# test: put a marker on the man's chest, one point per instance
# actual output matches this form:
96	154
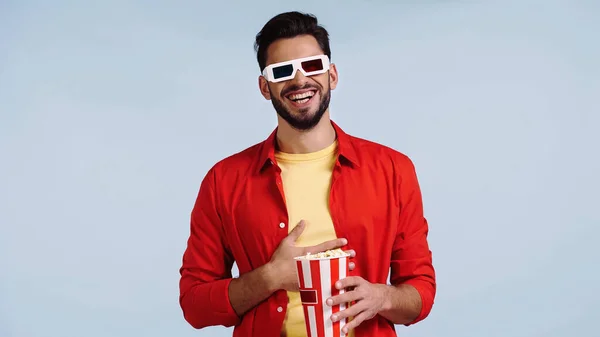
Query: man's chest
362	208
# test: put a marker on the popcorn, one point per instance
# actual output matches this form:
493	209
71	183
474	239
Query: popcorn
325	255
317	273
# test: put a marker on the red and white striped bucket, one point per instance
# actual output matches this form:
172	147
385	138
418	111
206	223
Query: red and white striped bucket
317	279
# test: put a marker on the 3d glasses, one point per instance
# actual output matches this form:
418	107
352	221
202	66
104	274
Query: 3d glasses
309	66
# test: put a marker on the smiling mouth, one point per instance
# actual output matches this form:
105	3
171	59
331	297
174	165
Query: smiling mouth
302	98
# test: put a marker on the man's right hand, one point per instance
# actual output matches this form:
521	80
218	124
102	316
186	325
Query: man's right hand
282	262
246	291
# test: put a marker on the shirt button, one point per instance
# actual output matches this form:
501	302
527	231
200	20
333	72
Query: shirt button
282	225
279	309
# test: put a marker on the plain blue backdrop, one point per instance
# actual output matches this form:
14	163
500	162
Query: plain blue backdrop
113	111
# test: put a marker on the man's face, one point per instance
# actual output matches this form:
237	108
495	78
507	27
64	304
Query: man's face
301	101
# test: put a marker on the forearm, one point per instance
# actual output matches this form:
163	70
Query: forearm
402	304
250	289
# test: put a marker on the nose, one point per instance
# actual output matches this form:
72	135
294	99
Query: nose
299	79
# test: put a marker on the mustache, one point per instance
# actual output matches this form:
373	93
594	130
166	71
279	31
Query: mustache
296	87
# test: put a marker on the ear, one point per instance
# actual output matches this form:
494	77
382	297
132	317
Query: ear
333	76
263	86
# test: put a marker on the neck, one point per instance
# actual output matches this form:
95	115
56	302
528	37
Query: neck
290	140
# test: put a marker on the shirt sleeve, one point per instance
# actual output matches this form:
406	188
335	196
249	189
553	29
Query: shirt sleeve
206	266
411	261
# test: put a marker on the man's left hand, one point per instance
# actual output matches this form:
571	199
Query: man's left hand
370	300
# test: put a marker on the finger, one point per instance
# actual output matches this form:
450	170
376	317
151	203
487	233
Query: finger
345	297
351	281
328	245
354	323
352	311
351	266
296	231
352	252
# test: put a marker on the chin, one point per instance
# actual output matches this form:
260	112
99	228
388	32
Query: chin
306	112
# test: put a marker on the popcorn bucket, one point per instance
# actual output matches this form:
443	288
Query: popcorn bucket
317	276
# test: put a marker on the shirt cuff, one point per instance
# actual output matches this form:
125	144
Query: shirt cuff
220	303
426	291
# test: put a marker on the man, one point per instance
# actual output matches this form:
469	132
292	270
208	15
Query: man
308	187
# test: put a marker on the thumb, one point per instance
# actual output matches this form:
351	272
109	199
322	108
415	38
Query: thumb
297	231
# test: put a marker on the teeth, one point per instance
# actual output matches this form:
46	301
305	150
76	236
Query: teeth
307	94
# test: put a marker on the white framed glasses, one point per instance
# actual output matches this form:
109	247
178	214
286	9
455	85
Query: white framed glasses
309	66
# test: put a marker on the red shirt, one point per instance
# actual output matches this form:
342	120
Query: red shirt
240	215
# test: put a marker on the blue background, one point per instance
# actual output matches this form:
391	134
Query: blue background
111	112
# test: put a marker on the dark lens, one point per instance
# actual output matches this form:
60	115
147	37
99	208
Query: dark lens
312	65
283	71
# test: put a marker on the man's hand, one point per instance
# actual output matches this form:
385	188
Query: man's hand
282	262
370	300
246	291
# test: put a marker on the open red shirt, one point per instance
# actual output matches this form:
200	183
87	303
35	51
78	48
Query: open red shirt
240	215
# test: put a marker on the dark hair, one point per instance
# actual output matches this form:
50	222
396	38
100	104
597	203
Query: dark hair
288	25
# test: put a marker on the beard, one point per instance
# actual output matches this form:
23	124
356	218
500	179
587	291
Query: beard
302	119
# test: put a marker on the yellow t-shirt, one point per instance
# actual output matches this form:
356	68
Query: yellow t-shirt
306	181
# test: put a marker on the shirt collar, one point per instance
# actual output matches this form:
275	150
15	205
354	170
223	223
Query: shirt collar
346	150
